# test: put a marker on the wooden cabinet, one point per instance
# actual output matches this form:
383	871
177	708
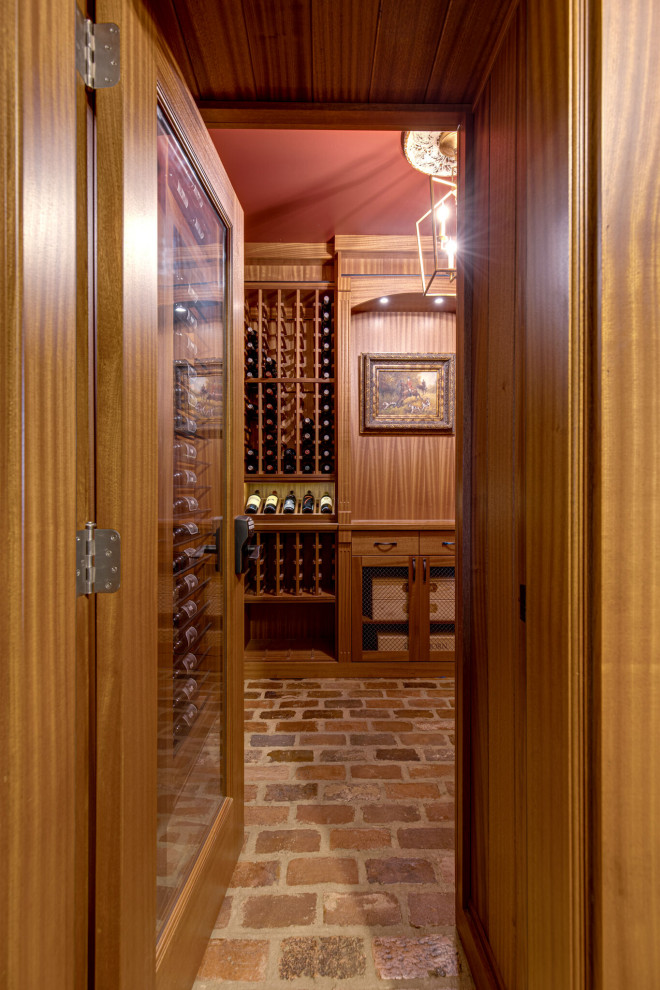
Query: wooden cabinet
403	606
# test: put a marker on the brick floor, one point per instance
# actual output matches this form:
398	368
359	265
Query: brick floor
346	879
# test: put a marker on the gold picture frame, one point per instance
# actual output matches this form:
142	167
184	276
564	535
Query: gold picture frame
404	393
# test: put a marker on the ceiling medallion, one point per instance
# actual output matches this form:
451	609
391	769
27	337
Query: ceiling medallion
431	152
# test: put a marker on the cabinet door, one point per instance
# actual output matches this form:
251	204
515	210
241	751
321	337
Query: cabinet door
384	608
438	608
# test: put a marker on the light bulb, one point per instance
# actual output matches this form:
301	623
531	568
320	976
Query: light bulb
384	300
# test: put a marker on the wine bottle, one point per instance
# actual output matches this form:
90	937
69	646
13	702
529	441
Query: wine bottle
327	468
186	611
185	503
269	368
184	424
326	503
185	664
185	721
183	531
185	450
184	346
184	586
253	503
289	503
289	460
183	314
271	503
184	477
184	691
308	502
184	640
308	467
251	333
185	558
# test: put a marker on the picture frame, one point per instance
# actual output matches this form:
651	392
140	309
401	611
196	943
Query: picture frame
407	393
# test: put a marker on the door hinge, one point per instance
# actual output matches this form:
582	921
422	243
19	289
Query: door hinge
97	52
98	560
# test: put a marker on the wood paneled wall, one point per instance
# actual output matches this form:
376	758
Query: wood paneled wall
399	477
627	501
492	897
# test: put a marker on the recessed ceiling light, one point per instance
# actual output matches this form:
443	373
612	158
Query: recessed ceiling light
439	299
384	299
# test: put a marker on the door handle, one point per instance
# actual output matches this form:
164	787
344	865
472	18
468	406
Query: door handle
424	569
214	547
414	567
448	543
388	545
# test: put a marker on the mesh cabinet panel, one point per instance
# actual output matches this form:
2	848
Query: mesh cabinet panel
385	601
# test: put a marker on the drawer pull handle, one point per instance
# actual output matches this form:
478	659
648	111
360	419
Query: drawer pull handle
388	545
448	543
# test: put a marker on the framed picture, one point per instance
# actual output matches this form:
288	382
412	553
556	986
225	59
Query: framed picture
402	393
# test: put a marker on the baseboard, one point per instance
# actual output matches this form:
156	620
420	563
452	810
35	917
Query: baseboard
304	668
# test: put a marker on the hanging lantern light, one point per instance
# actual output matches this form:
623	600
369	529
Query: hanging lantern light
434	153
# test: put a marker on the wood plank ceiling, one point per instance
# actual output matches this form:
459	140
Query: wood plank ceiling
334	51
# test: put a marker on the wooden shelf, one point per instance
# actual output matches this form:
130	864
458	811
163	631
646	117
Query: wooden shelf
303	597
293	522
290	381
294	650
283	479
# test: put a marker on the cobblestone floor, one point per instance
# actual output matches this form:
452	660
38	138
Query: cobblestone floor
346	879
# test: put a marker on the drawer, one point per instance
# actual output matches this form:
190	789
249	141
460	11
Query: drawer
435	543
385	543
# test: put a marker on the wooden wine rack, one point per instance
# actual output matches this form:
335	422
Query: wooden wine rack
290	391
295	565
287	340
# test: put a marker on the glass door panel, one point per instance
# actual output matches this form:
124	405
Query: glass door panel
385	608
192	239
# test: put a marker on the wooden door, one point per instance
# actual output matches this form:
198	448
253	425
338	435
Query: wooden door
156	900
37	494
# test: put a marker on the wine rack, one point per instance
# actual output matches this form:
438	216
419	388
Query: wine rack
290	461
289	383
295	565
